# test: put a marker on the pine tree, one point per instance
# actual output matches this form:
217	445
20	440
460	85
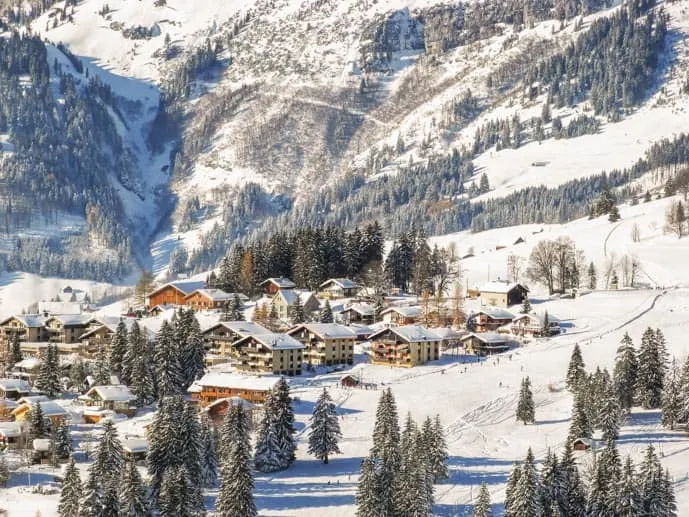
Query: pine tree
135	344
174	499
511	491
668	496
526	306
275	444
48	380
13	353
602	486
110	506
236	313
77	373
592	276
576	372
118	349
133	496
628	498
63	437
527	500
38	428
614	214
101	370
326	314
71	492
226	315
651	371
581	426
434	437
525	406
190	436
625	373
109	457
572	499
235	498
368	503
297	311
610	416
165	448
91	503
235	429
386	450
483	508
671	403
168	370
142	380
651	485
325	428
551	484
209	454
193	351
684	390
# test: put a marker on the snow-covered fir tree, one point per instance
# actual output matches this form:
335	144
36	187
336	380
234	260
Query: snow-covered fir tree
13	352
684	390
109	457
165	447
169	378
651	370
434	437
101	369
48	379
624	374
610	416
572	500
192	456
580	426
483	507
628	497
192	349
234	429
236	313
325	431
526	498
297	311
526	411
142	381
386	451
135	344
63	440
77	373
70	495
526	306
368	503
174	499
275	443
91	503
652	491
37	424
672	399
235	498
132	493
576	372
118	349
669	499
326	313
209	453
602	498
511	491
110	503
551	484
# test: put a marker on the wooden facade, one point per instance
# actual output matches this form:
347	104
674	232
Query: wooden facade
278	354
404	346
325	343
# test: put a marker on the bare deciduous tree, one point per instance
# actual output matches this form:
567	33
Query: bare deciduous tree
515	264
636	232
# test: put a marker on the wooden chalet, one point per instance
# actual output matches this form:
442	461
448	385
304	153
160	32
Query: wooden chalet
489	319
66	328
325	343
52	411
485	343
406	346
338	288
223	385
174	293
26	327
135	449
13	435
207	299
401	315
362	313
279	354
272	285
503	294
117	398
534	325
217	410
26	369
219	338
14	389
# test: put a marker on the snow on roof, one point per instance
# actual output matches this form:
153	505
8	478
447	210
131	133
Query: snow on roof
12	429
500	287
28	320
407	312
217	295
185	286
29	363
238	381
361	308
290	296
276	341
539	318
32	399
411	333
281	282
49	408
119	393
41	444
59	307
326	330
134	445
232	401
496	313
70	320
487	337
15	385
446	332
344	283
243	328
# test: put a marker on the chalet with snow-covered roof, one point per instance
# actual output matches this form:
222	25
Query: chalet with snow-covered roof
29	327
174	293
272	285
223	385
338	288
39	349
66	328
13	435
47	308
14	389
284	301
485	343
406	346
362	313
534	325
27	369
401	315
117	398
503	294
102	329
219	337
135	449
53	412
489	319
325	343
278	354
207	299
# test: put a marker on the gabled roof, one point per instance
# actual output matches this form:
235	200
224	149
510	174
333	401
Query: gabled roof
183	286
501	287
15	385
216	295
489	338
70	320
28	320
280	282
407	312
59	307
290	296
274	341
118	393
28	363
360	308
134	445
238	381
538	318
49	408
326	330
344	283
13	429
242	328
230	401
410	333
496	313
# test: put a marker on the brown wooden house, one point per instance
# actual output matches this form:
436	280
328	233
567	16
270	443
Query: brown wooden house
406	346
174	293
272	285
222	385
